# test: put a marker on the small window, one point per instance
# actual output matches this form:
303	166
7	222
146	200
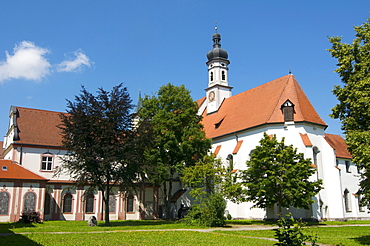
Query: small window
90	203
130	204
47	203
29	202
46	163
4	203
348	166
211	76
288	111
112	203
347	203
4	168
67	203
223	75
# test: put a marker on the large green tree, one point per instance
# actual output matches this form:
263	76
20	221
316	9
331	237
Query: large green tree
277	174
353	108
178	139
98	137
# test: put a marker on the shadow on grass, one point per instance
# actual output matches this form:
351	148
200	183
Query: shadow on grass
364	240
7	237
137	223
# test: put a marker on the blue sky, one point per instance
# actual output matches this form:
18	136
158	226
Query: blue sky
48	49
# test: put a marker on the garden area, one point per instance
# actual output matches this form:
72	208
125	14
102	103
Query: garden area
172	233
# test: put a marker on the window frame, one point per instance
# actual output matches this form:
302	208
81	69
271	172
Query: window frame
70	205
89	203
130	204
48	163
6	203
30	203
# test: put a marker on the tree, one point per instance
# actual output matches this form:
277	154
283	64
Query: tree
277	174
210	183
98	138
353	108
178	139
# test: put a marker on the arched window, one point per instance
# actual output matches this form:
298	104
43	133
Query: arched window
315	151
112	203
89	202
211	76
347	201
223	75
4	203
230	159
29	202
130	204
67	203
47	203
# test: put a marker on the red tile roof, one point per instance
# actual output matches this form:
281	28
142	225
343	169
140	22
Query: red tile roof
11	170
260	105
306	140
237	147
38	127
340	146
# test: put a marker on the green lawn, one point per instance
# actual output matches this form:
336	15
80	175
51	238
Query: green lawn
127	233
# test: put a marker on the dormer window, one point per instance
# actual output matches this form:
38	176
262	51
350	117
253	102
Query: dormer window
288	111
4	168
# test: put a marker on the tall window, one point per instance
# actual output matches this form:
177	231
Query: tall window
211	76
347	203
112	203
4	203
47	203
348	165
89	203
67	203
130	203
29	202
315	151
223	75
46	163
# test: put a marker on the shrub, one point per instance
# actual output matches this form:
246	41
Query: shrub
290	233
209	212
30	217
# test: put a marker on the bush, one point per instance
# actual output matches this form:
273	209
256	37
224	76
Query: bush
290	233
209	212
30	217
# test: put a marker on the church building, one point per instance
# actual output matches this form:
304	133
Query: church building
31	152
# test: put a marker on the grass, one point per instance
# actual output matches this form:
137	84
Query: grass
133	233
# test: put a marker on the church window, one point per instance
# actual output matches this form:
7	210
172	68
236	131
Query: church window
211	76
67	203
348	166
130	204
347	203
316	152
112	203
230	159
46	163
89	203
47	203
4	203
29	202
223	75
288	111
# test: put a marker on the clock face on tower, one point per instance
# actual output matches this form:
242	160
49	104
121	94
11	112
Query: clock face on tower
211	96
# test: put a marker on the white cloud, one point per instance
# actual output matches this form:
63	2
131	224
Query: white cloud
28	62
76	64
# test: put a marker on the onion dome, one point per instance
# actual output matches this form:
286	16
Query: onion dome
217	52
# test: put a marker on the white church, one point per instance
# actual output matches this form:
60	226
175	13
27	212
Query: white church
32	149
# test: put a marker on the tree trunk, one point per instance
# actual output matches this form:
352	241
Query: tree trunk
106	207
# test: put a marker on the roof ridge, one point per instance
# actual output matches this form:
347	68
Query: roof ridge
281	95
41	110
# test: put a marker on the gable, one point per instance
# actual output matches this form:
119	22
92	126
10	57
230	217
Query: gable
261	105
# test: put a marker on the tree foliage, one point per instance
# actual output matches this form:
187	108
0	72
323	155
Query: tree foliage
99	140
277	174
178	139
353	108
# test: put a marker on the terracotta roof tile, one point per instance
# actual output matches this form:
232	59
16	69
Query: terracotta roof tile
340	146
38	127
217	150
11	170
260	105
306	140
237	147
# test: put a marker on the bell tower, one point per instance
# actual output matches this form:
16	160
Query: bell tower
218	81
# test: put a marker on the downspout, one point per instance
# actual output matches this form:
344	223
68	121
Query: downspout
21	156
